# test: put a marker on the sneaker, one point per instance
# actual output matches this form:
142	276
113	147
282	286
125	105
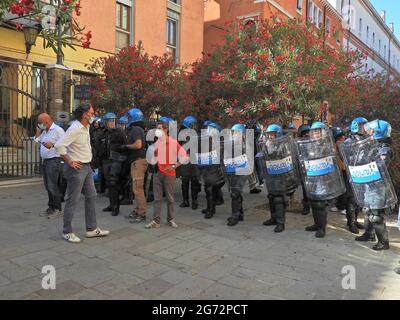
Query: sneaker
343	212
46	213
132	215
138	219
334	209
152	225
71	237
172	224
55	214
97	233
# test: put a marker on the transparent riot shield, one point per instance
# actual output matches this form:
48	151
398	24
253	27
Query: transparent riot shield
238	159
208	160
369	177
280	165
319	167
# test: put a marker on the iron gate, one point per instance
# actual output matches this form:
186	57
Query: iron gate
23	95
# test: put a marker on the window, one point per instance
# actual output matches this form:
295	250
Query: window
360	28
373	39
172	34
380	46
367	34
328	26
384	52
299	5
315	14
123	26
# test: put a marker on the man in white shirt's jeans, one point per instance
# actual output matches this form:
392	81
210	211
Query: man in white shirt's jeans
76	151
47	134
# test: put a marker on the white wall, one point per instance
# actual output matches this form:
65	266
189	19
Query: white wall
369	22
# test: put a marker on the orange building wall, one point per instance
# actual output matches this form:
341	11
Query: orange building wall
149	26
218	12
100	19
192	31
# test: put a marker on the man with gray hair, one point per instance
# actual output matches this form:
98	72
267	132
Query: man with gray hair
76	151
47	134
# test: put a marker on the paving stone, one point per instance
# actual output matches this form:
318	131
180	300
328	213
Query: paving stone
20	273
219	291
151	288
188	288
202	259
63	290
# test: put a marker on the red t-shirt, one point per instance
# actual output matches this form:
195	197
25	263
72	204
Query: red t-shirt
168	152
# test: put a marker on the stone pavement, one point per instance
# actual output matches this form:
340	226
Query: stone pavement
202	259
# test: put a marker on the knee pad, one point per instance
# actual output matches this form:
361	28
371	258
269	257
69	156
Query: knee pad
375	219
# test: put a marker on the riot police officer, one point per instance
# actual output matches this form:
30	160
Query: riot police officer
112	156
320	173
123	122
281	173
303	132
237	168
189	173
357	133
367	162
208	162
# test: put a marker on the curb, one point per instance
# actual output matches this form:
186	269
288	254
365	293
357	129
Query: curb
20	182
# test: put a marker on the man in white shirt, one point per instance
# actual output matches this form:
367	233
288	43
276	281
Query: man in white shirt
76	151
47	134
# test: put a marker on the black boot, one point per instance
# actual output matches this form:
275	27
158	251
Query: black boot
210	210
279	228
351	217
185	204
195	188
236	207
255	191
108	209
369	233
219	196
320	217
185	193
358	225
314	227
272	221
241	216
381	233
366	236
115	211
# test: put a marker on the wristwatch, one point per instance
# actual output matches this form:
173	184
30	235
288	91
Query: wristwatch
174	166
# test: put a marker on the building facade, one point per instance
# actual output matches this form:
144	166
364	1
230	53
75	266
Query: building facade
320	12
368	30
31	82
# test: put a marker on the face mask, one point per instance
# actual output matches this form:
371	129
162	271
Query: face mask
41	126
91	120
159	133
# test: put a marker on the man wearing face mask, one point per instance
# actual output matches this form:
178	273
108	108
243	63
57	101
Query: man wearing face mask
112	157
47	134
74	147
168	154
